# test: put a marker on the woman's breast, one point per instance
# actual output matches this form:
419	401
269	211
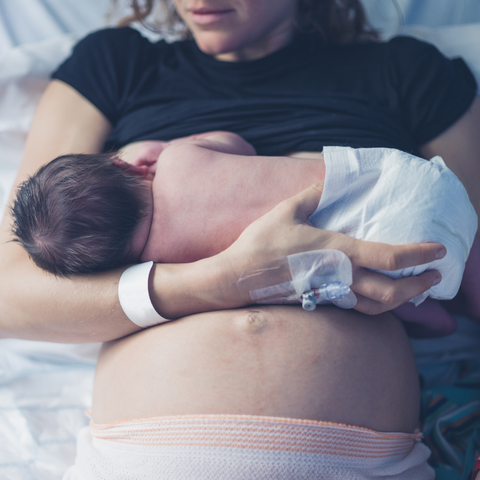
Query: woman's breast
129	152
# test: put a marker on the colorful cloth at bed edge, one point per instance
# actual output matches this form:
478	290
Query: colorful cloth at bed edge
450	421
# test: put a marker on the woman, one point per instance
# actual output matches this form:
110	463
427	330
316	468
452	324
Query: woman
231	36
244	30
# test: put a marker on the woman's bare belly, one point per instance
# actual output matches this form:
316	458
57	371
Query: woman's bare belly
328	365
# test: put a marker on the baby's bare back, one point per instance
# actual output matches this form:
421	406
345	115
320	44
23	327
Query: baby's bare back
203	199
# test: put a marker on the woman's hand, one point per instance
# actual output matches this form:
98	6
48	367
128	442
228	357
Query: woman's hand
286	230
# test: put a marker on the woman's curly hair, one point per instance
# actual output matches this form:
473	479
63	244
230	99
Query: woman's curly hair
337	21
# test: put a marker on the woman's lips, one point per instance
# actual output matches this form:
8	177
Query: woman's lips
208	16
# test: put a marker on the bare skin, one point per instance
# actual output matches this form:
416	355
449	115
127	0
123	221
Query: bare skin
219	27
327	365
203	192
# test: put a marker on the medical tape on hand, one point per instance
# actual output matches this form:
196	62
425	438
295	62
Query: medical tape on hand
134	297
312	278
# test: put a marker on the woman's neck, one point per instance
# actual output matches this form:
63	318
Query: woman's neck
277	40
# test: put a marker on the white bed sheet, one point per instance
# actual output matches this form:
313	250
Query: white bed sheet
44	388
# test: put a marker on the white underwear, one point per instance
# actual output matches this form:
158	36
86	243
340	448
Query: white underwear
242	447
389	196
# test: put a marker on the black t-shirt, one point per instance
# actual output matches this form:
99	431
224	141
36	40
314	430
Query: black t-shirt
398	94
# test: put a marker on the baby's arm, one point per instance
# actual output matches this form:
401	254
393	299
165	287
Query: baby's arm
225	142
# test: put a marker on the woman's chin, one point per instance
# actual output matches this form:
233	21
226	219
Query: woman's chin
213	46
221	46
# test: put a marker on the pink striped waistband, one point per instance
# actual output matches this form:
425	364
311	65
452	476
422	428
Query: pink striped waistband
258	433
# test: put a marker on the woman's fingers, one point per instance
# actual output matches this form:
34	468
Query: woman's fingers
306	202
377	293
374	255
286	230
380	256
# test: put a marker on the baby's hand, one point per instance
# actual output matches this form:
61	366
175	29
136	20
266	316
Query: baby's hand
429	320
432	318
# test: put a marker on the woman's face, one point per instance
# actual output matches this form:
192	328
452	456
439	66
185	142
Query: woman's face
238	30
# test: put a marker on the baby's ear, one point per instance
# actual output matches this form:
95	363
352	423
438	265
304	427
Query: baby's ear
140	170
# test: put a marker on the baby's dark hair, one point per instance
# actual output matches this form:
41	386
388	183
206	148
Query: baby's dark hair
78	214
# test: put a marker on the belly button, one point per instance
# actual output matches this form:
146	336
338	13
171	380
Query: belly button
251	321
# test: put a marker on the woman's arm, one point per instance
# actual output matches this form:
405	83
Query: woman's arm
33	303
224	142
459	146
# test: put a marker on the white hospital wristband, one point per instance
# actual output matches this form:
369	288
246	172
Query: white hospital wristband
134	297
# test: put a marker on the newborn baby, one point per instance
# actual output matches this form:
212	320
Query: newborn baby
205	190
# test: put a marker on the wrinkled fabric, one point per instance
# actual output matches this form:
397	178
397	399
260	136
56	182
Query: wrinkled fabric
389	196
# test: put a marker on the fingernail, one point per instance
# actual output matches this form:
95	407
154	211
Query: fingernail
440	254
437	280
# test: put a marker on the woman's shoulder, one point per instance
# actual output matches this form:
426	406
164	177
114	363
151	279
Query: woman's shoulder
106	65
395	49
126	47
433	90
413	54
106	49
114	39
112	33
408	49
408	42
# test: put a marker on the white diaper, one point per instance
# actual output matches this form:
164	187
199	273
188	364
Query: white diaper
389	196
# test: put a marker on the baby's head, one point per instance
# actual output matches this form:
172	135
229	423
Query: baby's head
79	214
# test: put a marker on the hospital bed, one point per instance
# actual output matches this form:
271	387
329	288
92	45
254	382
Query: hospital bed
45	388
